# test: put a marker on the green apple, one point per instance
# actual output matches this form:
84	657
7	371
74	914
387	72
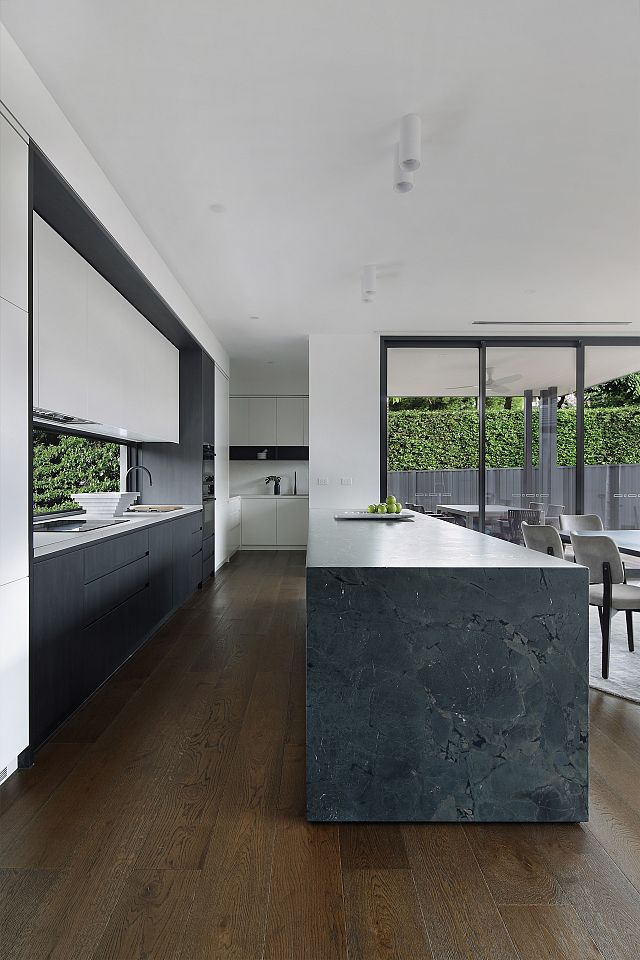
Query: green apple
390	501
372	508
398	508
382	508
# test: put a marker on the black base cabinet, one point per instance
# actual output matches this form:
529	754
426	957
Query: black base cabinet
94	606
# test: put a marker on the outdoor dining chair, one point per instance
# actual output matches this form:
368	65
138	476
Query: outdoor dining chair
511	527
544	538
579	522
608	587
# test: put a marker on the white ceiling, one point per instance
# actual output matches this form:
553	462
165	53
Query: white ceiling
453	372
526	207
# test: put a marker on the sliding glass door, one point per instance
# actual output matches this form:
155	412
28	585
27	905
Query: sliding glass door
612	435
433	430
530	436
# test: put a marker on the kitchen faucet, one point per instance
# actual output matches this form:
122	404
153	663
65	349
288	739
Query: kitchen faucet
146	469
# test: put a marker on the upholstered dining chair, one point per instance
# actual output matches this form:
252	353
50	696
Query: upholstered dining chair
580	522
542	537
608	587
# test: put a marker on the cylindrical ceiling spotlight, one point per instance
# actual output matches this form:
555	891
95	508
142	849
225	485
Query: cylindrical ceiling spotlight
402	179
410	147
369	284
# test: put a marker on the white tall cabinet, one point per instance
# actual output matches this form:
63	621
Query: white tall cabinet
14	446
222	547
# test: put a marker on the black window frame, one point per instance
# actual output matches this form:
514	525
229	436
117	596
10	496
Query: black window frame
578	344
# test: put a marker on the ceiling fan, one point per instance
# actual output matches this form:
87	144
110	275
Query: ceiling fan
493	383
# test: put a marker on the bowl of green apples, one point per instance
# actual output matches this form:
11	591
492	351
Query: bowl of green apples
389	510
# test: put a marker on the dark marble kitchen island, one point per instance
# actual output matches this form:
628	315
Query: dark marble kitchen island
447	676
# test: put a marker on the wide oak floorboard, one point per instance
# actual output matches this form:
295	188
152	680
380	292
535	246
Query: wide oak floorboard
166	820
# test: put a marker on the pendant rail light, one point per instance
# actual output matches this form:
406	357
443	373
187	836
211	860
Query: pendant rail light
369	282
410	146
402	179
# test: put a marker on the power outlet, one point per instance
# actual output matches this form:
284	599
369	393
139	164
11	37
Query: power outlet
323	481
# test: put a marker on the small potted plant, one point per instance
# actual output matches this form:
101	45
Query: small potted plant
276	484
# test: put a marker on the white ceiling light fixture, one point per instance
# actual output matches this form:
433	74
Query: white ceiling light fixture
369	282
410	145
402	179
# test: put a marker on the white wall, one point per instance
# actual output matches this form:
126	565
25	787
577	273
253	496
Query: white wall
251	378
247	476
24	94
344	419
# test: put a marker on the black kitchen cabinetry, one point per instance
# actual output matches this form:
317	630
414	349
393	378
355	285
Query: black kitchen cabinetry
94	606
178	468
208	399
272	453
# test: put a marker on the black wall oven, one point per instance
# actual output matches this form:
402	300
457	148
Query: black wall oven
208	490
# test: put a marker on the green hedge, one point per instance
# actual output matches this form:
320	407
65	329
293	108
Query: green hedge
438	440
65	465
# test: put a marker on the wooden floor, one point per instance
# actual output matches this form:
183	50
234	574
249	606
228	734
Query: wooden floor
166	821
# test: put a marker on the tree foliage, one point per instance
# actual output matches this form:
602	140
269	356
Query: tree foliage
64	465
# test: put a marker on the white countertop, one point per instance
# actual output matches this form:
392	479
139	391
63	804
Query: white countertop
47	543
425	543
269	496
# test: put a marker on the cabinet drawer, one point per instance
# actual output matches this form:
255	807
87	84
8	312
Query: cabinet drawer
207	568
108	592
196	542
102	558
109	641
196	570
207	548
195	520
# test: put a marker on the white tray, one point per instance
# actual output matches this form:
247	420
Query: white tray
365	515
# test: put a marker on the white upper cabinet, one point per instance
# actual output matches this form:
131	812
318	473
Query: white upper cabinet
269	421
14	216
113	353
161	366
262	421
59	323
239	421
290	421
95	356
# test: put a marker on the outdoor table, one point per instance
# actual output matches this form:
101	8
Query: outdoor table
627	541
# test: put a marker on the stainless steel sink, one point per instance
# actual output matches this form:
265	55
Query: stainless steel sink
72	525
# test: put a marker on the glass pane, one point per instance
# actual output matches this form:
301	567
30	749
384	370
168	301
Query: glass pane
433	430
64	465
530	437
612	436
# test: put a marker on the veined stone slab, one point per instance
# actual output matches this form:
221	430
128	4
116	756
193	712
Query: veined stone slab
446	693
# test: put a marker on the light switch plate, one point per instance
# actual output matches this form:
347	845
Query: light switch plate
346	481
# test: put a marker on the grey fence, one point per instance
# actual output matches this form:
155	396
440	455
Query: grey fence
611	491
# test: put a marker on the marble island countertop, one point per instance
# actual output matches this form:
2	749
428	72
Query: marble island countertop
49	542
427	542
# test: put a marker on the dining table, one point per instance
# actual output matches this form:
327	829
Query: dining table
471	511
627	541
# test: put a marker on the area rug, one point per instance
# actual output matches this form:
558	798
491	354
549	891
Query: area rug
624	667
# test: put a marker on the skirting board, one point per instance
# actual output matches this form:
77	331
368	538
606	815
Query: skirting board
293	547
